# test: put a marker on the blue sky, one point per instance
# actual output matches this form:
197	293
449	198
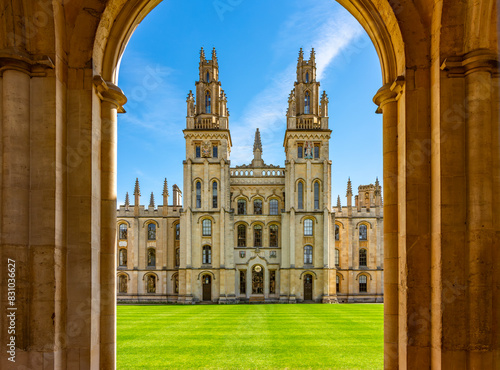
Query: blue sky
257	45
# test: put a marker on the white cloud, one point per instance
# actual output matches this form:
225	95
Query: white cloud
332	34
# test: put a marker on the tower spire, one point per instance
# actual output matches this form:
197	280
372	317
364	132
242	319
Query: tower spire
339	205
152	200
137	194
202	55
165	188
301	55
127	201
257	151
257	144
349	187
312	57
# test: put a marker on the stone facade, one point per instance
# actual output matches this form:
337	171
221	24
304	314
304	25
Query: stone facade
254	232
439	99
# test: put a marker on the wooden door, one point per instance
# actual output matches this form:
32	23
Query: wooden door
308	288
207	288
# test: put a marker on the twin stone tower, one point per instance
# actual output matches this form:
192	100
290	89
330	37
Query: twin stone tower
256	232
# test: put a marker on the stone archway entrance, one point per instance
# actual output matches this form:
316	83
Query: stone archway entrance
439	101
207	288
308	287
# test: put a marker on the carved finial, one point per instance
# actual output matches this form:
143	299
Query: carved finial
202	54
324	97
257	144
152	200
165	188
127	201
301	55
214	56
339	205
377	184
349	187
313	55
137	190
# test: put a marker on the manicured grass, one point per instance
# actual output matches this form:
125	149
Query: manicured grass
317	336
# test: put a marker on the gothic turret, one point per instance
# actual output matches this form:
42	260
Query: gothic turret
210	110
137	195
127	201
152	200
304	110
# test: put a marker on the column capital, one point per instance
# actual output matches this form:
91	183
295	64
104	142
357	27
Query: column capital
388	93
34	66
474	61
109	92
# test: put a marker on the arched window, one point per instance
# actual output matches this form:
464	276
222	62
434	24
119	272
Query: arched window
300	195
273	236
308	254
178	231
257	236
198	194
242	236
307	77
207	255
208	77
273	207
177	257
337	283
242	207
122	235
308	227
151	231
214	194
362	257
337	257
122	284
337	232
362	284
307	103
207	227
123	257
362	232
208	102
151	257
316	195
151	284
257	207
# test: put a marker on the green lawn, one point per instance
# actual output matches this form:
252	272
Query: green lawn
293	336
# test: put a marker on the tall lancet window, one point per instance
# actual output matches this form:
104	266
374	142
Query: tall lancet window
307	77
307	103
316	195
198	194
208	77
300	195
214	194
208	102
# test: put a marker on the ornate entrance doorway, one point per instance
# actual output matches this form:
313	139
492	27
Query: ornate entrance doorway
207	288
257	280
308	288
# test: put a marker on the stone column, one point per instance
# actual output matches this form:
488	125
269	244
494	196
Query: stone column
386	98
480	228
112	101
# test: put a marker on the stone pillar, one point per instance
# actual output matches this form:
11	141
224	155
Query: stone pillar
480	228
112	101
386	98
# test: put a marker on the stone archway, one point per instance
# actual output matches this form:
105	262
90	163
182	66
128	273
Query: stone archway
59	74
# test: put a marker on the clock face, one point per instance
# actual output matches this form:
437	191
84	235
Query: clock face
205	149
258	268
